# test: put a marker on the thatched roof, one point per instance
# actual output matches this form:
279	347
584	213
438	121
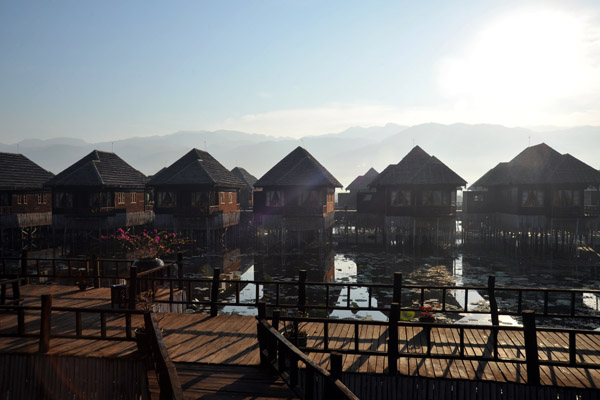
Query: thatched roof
100	169
197	168
244	176
539	164
362	182
299	168
418	168
19	172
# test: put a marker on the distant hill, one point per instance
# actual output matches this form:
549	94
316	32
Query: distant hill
469	150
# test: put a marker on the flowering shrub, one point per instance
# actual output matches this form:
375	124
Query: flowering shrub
149	244
426	310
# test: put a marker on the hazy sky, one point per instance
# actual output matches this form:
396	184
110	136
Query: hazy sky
102	70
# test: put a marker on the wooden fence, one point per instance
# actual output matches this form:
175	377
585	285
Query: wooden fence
45	376
316	382
170	387
509	301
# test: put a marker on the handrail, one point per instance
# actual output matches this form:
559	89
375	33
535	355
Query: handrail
395	289
275	349
215	297
490	351
168	380
170	387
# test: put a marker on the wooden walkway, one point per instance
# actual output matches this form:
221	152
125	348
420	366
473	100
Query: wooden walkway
228	340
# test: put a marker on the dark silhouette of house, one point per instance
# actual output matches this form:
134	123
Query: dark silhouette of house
197	196
25	205
535	187
359	185
297	196
246	198
416	197
94	196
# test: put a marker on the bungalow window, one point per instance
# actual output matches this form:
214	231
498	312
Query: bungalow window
64	199
431	198
120	198
133	197
274	198
532	198
199	199
400	198
310	197
566	198
100	199
5	199
222	198
166	199
230	197
19	199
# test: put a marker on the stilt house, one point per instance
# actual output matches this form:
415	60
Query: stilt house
246	198
196	196
25	205
414	200
420	185
297	196
359	185
96	195
540	182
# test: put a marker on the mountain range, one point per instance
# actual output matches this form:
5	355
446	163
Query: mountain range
469	150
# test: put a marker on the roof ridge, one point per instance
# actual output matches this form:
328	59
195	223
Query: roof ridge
206	171
94	164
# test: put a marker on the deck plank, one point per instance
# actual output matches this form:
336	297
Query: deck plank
228	340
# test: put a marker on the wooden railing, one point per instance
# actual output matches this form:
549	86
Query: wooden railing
537	299
277	352
218	289
15	299
170	387
454	350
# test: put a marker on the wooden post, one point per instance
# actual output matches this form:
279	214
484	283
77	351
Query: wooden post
214	292
572	349
133	271
301	290
262	310
397	296
393	338
180	271
492	300
45	323
96	270
531	348
276	318
24	267
335	365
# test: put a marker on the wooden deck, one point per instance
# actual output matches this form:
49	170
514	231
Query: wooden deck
228	340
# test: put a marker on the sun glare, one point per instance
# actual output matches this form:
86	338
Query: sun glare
525	60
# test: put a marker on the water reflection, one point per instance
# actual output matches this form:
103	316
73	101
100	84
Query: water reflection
378	266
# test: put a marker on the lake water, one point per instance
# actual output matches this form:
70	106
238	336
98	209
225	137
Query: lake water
377	266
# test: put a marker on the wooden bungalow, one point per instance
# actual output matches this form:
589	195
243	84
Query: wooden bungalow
538	189
94	196
297	200
25	205
347	201
246	198
198	197
416	198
